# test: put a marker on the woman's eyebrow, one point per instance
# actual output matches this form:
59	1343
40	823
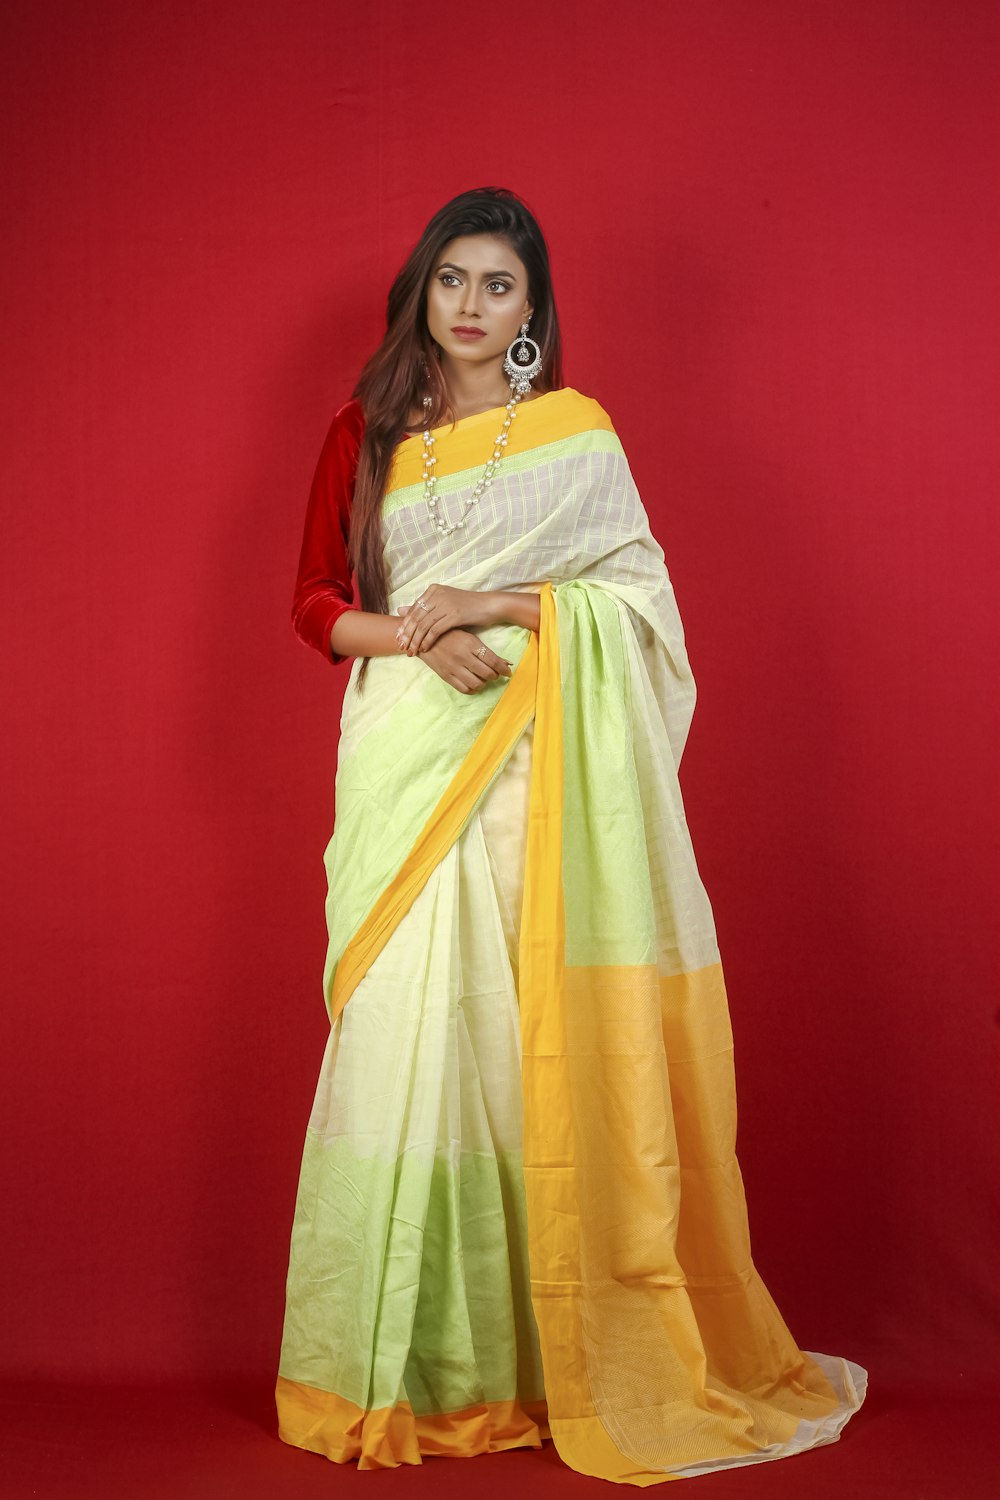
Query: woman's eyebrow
449	265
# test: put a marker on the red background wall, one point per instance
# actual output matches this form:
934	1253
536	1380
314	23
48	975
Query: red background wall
773	228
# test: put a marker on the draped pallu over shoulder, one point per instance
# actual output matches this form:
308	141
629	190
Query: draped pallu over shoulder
663	1354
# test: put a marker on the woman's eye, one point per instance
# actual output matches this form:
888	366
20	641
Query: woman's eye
448	278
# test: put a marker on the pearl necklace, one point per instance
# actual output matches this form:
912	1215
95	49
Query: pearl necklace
486	479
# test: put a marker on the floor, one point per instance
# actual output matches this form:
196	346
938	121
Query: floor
210	1442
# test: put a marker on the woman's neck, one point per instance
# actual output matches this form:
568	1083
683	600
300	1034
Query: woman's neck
475	388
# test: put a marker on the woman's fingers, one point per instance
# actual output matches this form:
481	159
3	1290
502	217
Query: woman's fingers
491	665
461	665
482	669
429	630
419	616
416	631
405	633
500	664
417	635
418	640
412	616
432	631
497	665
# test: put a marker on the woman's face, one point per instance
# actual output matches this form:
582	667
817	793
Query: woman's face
477	298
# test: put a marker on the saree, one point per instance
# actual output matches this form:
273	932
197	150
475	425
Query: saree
520	1213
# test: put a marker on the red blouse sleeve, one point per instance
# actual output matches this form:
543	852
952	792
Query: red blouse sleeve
324	587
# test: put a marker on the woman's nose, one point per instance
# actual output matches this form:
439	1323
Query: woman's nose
470	302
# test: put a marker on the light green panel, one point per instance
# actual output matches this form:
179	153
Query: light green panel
430	1255
609	900
390	779
570	447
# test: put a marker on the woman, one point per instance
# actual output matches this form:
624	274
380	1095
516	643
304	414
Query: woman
520	1212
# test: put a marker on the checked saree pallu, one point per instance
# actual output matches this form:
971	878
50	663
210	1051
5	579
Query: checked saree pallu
520	1213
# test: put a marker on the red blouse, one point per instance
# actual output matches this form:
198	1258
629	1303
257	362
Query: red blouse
324	587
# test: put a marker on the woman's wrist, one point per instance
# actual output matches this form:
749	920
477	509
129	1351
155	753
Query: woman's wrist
491	608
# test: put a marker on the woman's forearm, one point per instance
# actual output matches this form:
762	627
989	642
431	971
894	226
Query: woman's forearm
358	632
509	607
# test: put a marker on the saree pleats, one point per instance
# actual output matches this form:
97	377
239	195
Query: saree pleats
520	1211
408	1317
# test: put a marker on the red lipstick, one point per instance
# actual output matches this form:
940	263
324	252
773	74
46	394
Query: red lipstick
463	332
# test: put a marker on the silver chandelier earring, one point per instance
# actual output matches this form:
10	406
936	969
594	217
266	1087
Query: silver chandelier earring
521	364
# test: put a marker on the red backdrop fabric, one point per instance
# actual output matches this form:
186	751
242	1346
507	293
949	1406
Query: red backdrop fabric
773	230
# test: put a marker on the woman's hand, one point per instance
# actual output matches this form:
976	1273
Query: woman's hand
453	657
447	608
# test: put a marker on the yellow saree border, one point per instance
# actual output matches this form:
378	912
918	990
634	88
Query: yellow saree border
547	418
541	958
387	1437
490	749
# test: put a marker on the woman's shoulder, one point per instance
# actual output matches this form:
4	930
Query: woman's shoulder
342	444
349	420
585	411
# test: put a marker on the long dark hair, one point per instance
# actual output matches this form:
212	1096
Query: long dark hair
404	368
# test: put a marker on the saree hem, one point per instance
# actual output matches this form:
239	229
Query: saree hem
584	1444
322	1422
